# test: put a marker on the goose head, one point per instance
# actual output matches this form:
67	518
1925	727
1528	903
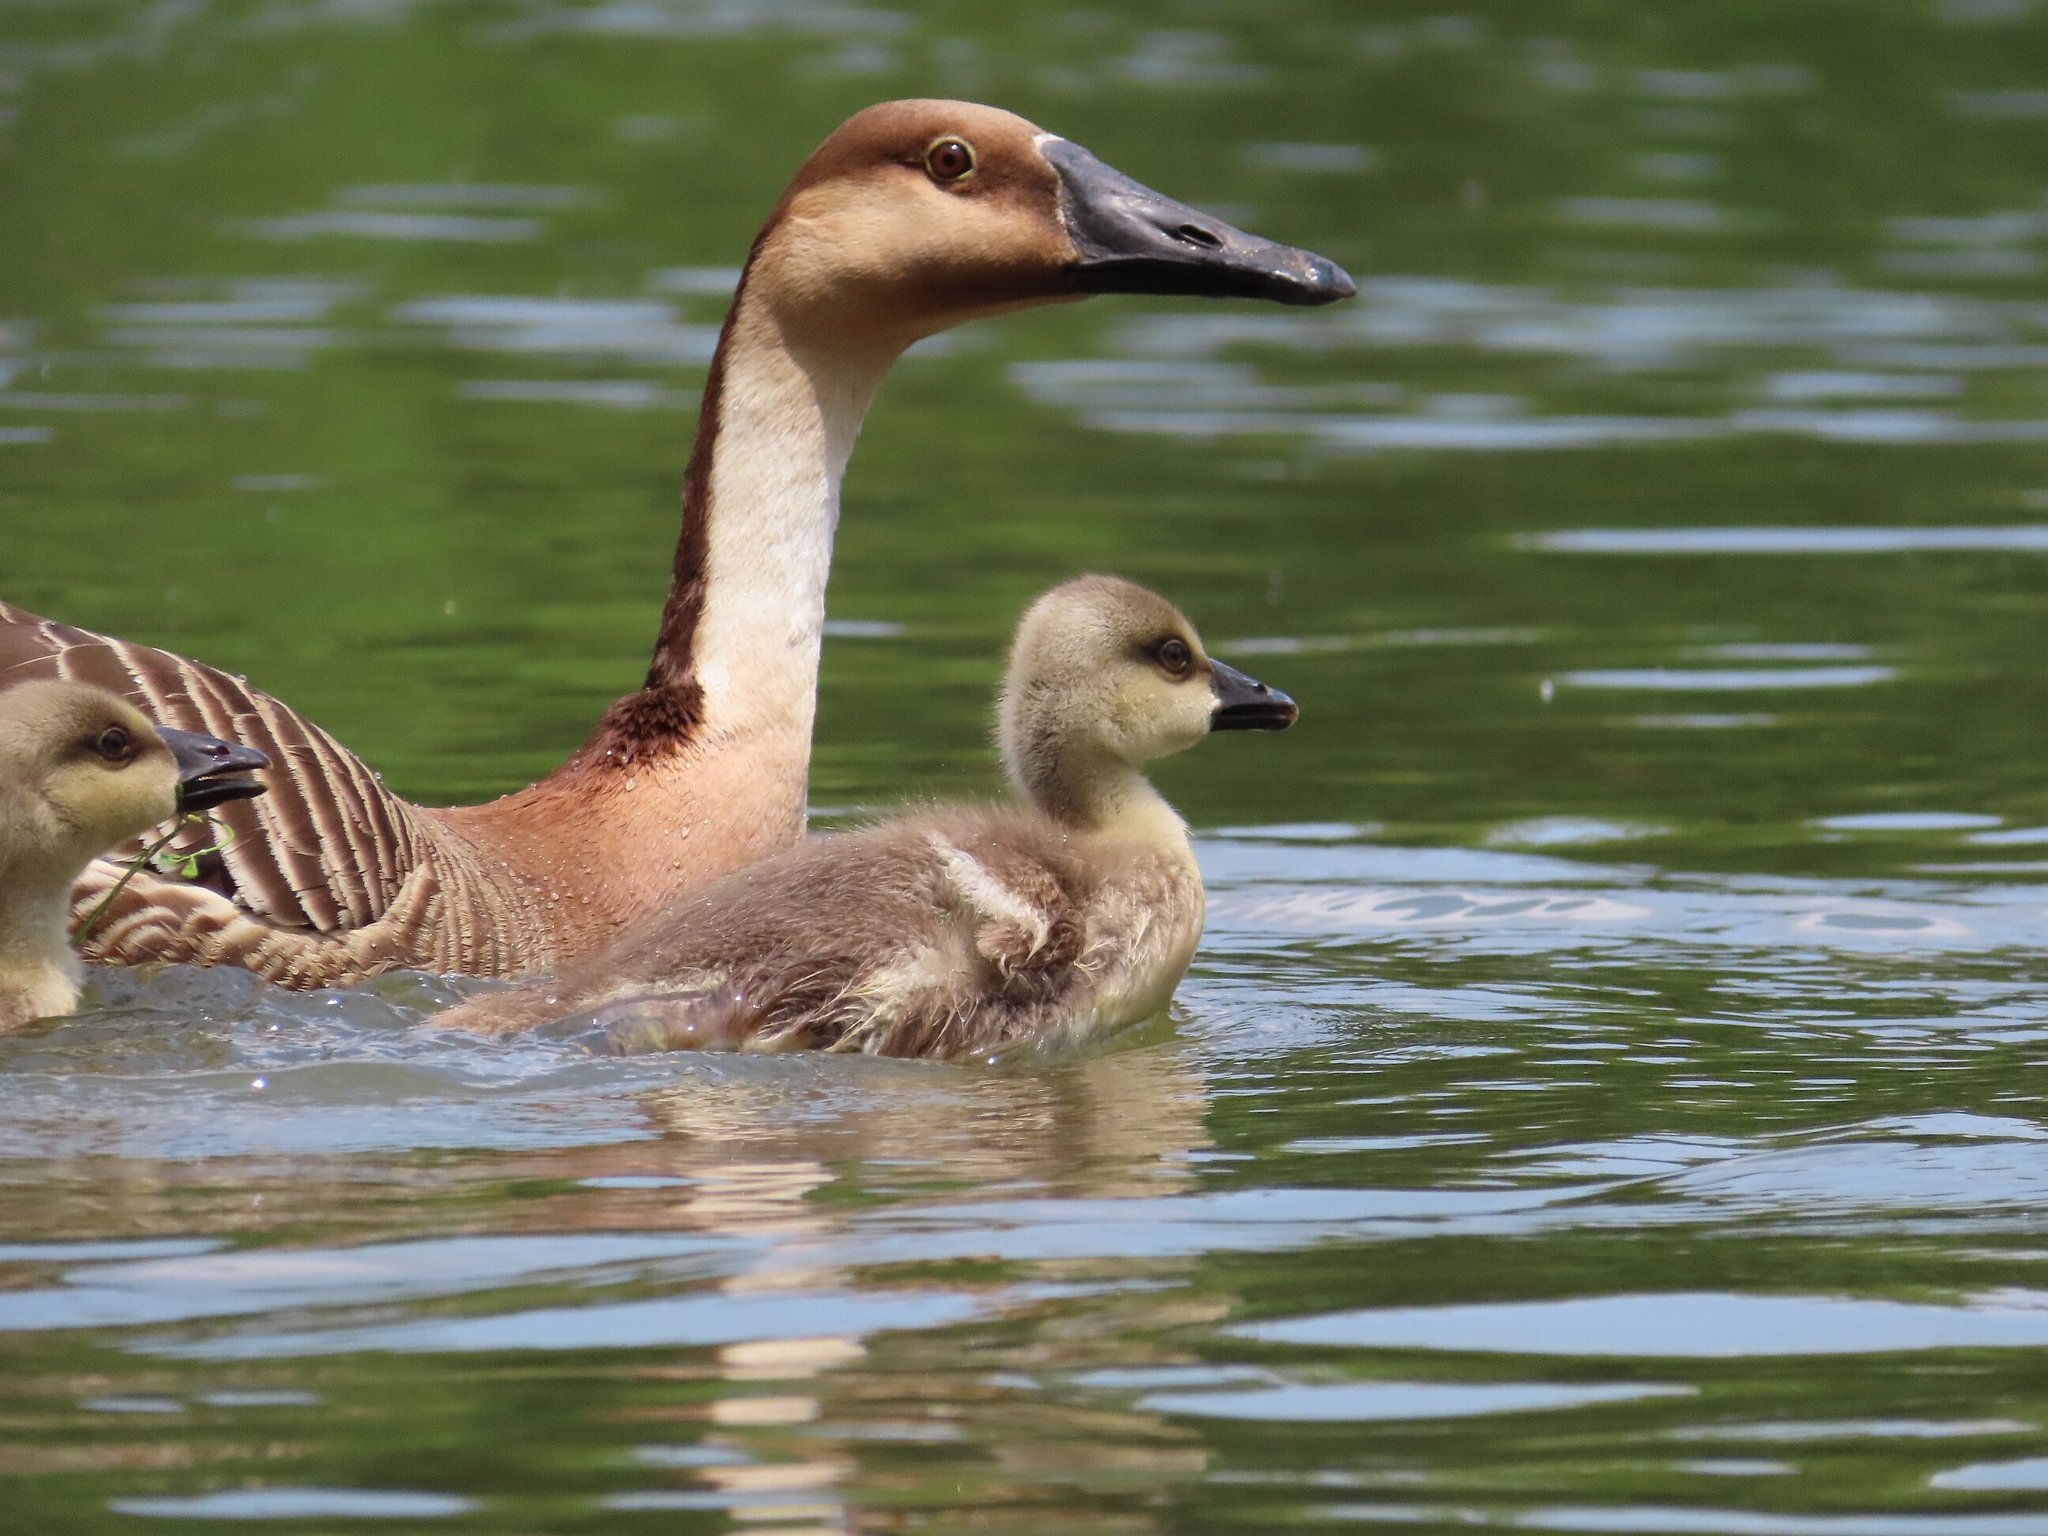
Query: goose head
1106	675
918	215
82	771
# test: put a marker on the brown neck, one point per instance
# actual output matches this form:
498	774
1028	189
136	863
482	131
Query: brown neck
737	651
706	767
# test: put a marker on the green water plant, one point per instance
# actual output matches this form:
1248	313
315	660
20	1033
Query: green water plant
185	864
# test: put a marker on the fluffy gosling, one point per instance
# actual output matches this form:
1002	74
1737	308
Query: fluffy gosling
82	772
967	931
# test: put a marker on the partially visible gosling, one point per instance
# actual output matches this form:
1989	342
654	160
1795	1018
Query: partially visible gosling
964	931
82	772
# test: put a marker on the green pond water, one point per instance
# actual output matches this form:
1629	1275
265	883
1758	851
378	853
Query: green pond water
1609	1096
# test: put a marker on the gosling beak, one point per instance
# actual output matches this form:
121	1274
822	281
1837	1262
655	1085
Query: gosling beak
208	769
1130	239
1246	704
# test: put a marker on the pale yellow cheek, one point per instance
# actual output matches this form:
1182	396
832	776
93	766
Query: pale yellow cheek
110	808
1164	723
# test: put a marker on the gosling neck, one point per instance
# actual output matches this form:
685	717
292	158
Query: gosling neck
1092	792
38	970
736	659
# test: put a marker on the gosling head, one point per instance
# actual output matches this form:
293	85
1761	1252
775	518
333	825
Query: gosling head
1104	676
917	215
81	771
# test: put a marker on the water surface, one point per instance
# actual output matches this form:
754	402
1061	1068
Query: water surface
1608	1097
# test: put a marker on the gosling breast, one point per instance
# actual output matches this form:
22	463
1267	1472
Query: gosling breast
956	934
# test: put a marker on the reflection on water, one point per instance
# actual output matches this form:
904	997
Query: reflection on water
1795	346
641	330
298	1504
375	225
1682	1326
1728	679
771	1249
2019	538
1606	1100
1382	1401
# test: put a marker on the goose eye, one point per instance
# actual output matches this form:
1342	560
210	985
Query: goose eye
1175	657
115	745
949	159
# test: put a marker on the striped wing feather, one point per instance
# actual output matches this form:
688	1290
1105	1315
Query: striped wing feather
327	848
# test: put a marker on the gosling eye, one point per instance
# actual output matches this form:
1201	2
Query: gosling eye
949	160
115	745
1174	657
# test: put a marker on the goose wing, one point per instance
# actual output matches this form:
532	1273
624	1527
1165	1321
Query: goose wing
326	850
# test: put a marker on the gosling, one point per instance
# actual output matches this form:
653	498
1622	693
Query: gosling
82	772
968	931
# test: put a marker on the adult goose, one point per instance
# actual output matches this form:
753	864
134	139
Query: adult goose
969	931
81	771
912	217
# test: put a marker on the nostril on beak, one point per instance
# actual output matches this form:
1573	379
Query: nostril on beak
1194	234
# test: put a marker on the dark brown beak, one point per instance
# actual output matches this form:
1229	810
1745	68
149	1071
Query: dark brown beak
1246	704
1134	240
210	771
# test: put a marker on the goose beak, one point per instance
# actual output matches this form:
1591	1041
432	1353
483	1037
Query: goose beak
1246	704
1130	239
209	769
